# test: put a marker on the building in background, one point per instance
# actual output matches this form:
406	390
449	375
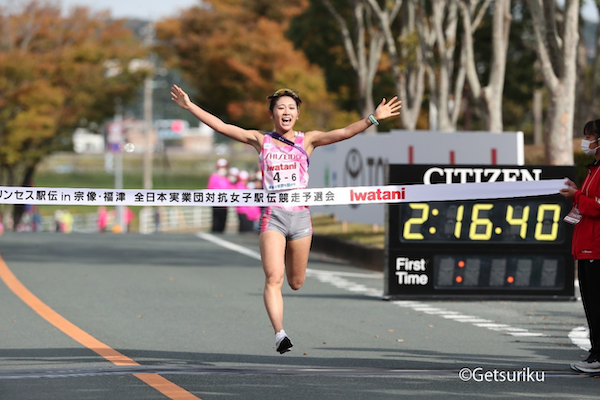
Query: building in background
174	134
87	142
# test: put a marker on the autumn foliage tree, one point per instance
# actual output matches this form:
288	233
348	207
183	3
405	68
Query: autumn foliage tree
54	77
234	54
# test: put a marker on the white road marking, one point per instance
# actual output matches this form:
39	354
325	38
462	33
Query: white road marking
256	255
471	319
228	245
338	280
580	337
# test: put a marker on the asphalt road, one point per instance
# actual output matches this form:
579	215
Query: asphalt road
181	316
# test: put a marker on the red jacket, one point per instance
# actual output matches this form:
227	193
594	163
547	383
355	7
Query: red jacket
586	235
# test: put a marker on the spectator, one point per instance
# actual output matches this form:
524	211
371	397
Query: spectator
247	215
156	219
102	219
218	180
58	224
128	217
585	215
36	220
66	220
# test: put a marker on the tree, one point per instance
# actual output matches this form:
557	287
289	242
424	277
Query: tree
594	107
557	52
53	78
445	61
235	53
364	61
521	81
490	96
588	82
406	56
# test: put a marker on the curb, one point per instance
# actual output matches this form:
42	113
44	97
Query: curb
359	255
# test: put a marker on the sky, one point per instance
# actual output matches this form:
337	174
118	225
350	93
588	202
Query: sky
140	9
158	9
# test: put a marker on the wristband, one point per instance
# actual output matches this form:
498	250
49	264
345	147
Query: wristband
373	119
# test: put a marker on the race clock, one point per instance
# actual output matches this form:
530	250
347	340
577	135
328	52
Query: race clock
496	248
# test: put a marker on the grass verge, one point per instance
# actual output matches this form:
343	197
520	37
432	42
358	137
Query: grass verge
326	224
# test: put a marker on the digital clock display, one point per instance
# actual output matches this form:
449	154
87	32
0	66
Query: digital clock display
511	248
506	221
498	271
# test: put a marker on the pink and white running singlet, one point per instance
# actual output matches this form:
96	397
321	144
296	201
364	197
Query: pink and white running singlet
285	167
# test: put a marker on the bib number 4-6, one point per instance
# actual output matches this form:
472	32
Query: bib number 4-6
278	178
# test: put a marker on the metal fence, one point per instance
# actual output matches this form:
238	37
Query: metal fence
151	220
182	219
82	223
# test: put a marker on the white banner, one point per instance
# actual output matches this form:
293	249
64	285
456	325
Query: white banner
304	197
362	161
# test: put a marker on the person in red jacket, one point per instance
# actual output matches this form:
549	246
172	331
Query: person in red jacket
586	242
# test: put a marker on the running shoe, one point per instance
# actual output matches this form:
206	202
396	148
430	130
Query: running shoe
283	344
589	366
286	345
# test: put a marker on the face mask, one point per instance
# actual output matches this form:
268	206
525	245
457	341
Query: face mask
585	147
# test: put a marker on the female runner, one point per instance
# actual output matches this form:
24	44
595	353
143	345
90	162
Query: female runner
285	231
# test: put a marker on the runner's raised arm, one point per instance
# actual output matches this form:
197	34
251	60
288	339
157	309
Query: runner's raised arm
251	137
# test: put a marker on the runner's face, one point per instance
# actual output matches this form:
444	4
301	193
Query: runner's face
285	113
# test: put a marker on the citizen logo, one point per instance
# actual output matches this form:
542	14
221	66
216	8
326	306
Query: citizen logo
464	175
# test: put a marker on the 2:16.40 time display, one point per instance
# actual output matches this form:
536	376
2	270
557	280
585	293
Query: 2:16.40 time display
506	221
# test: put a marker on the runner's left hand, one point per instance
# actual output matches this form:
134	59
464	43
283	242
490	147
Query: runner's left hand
388	109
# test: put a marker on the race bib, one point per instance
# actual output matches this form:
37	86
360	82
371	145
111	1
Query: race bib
283	175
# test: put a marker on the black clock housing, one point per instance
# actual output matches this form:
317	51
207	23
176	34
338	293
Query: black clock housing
492	248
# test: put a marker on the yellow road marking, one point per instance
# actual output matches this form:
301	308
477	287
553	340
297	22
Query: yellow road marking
156	381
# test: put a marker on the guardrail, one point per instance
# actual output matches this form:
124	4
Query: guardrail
82	223
182	219
151	220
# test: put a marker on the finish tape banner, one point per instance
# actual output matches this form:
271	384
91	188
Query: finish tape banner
302	197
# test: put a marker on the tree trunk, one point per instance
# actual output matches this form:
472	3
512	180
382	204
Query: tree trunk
557	55
581	92
594	104
408	75
489	98
363	62
446	76
538	116
19	209
495	89
559	141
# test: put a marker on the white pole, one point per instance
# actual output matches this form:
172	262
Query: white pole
148	117
119	170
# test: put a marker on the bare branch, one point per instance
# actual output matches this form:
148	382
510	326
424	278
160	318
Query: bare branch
346	36
539	24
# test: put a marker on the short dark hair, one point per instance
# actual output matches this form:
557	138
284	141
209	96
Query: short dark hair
592	128
280	93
